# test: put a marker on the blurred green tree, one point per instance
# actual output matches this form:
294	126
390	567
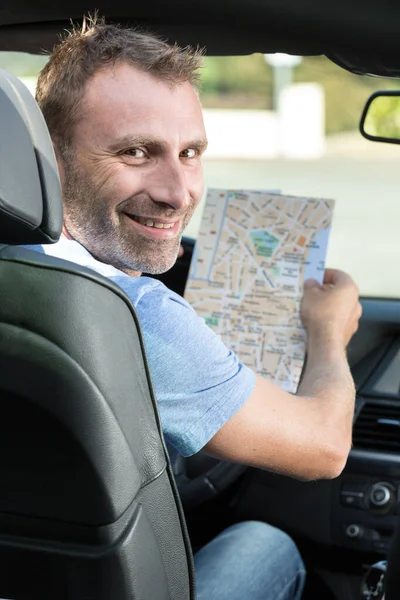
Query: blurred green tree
383	117
247	82
22	64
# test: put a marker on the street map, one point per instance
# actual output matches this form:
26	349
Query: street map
252	255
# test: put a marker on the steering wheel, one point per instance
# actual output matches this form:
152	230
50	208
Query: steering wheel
200	478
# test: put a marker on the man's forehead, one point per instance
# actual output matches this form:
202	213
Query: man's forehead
122	100
125	87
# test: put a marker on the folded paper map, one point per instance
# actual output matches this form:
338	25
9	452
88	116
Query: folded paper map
253	253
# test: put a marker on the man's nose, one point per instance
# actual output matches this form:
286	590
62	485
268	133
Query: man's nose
169	186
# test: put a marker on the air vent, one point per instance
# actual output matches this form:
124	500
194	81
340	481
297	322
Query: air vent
378	427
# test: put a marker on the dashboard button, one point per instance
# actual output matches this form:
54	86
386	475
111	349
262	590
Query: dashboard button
352	499
354	531
380	495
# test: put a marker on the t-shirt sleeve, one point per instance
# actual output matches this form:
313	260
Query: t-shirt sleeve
199	383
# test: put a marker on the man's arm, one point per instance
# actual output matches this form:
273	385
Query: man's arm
308	435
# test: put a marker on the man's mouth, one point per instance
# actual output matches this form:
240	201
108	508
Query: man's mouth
152	222
158	228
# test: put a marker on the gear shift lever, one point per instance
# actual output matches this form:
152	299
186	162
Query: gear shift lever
374	581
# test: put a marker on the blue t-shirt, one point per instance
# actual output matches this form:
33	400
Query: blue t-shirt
199	384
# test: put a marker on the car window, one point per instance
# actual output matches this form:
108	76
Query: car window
309	146
278	123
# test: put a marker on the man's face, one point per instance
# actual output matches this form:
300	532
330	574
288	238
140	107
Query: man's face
135	175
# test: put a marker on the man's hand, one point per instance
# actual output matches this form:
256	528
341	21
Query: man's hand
307	435
331	311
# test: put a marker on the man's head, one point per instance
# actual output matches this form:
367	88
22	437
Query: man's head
126	123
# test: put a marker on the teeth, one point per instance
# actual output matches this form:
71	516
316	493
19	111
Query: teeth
156	224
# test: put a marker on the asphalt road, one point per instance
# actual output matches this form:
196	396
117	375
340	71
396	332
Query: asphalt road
365	239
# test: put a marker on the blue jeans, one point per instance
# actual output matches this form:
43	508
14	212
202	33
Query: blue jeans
249	561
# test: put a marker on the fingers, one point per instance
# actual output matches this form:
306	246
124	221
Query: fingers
311	283
336	277
356	316
332	278
333	308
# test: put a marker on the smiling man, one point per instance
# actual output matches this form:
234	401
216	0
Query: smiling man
132	184
127	126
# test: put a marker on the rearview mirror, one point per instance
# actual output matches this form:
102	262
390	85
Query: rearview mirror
380	121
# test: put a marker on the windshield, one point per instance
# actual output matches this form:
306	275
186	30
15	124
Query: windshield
292	125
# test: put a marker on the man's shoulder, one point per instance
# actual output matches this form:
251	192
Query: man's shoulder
149	293
146	290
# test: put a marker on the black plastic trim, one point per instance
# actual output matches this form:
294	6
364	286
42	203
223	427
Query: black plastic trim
375	138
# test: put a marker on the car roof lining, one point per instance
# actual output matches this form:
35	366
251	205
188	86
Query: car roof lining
361	37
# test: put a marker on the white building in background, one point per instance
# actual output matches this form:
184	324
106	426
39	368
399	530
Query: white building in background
251	134
301	117
295	130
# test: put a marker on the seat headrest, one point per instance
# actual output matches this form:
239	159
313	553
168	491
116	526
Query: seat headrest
30	190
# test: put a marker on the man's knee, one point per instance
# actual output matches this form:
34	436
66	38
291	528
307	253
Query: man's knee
250	559
264	540
272	555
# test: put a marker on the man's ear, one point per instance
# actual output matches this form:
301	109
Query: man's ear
59	164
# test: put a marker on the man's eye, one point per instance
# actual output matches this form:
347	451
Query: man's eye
135	152
188	153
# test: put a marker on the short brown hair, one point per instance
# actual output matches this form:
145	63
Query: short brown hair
94	45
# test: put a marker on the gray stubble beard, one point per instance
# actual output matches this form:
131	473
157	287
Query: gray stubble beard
94	229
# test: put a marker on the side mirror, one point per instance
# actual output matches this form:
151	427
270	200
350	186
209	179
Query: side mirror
380	120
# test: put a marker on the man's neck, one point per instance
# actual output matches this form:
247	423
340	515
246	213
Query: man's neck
66	233
129	272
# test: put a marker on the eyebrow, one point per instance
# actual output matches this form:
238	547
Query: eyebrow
154	144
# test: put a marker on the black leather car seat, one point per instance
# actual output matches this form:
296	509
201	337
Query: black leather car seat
88	504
